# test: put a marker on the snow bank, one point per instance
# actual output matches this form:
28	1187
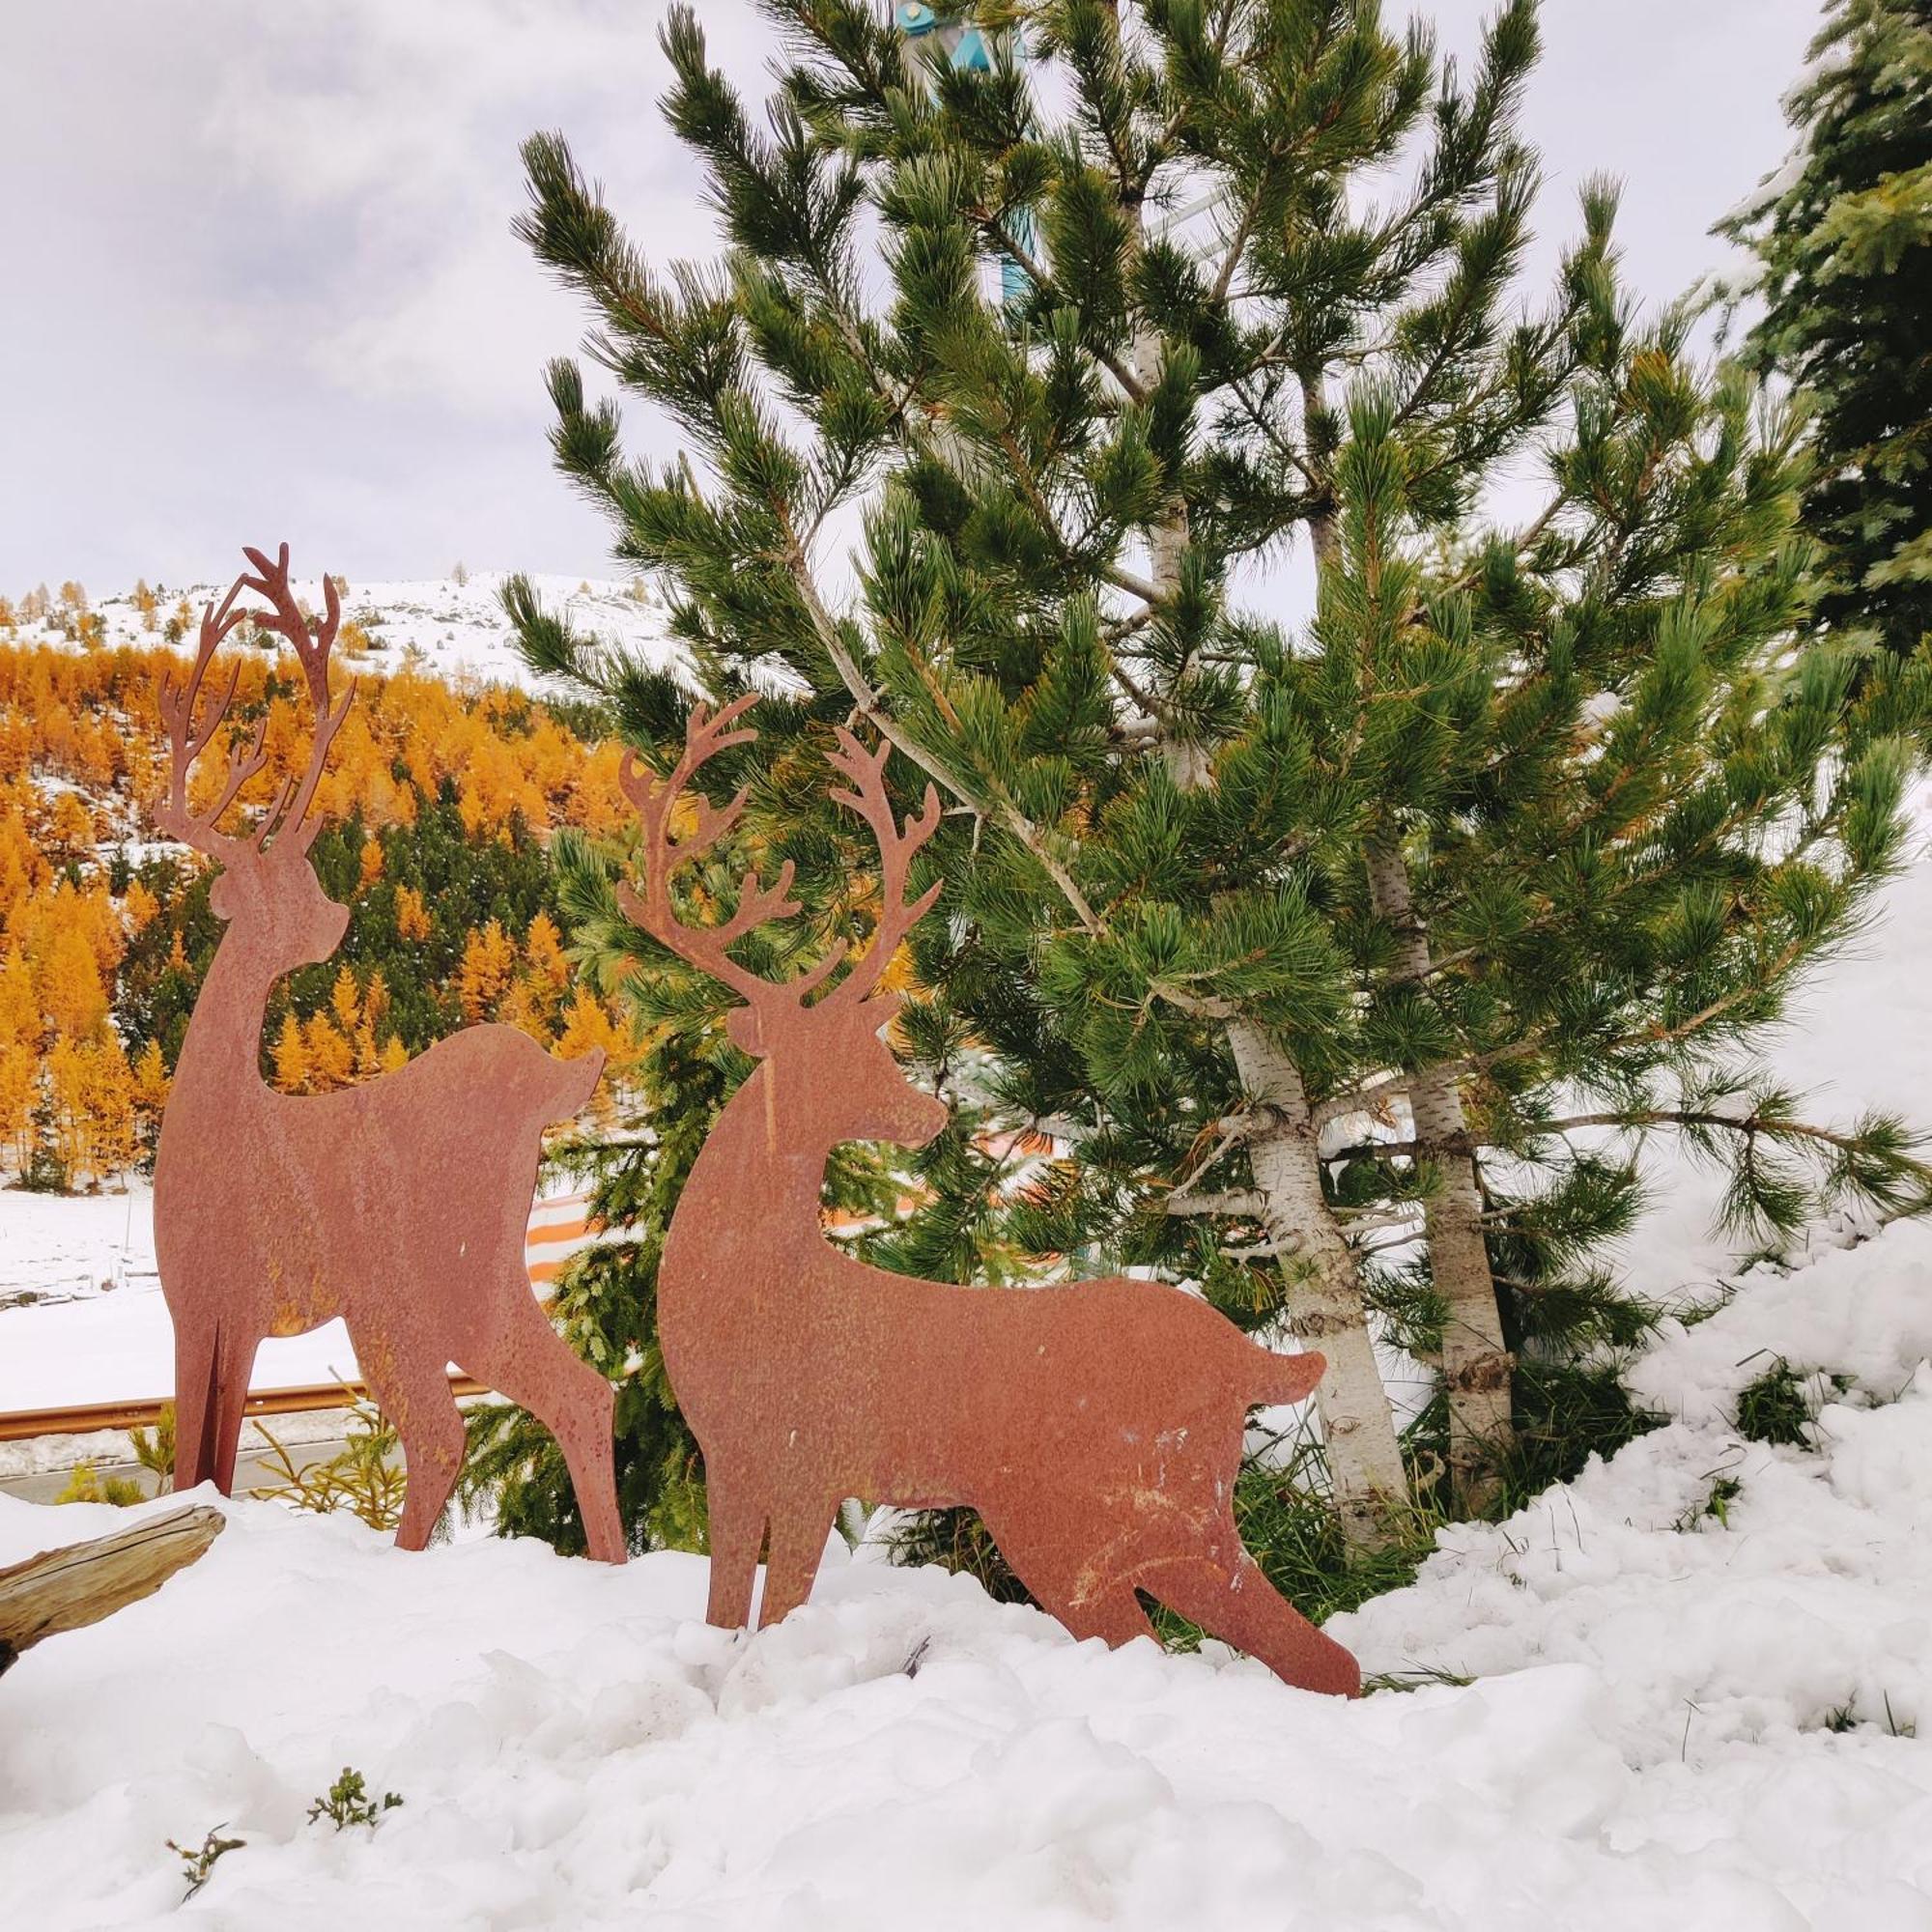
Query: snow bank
1730	1594
1681	1717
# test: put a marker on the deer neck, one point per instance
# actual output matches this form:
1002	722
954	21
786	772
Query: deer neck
222	1050
761	1165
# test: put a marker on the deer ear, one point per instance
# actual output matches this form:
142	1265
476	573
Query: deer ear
879	1007
741	1028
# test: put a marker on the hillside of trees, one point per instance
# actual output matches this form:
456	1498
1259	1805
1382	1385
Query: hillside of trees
435	808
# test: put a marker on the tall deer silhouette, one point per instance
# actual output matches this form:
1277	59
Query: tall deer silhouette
1096	1425
399	1204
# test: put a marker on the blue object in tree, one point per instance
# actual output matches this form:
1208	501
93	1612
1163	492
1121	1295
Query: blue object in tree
968	51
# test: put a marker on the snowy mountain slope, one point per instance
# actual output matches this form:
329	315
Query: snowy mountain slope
458	628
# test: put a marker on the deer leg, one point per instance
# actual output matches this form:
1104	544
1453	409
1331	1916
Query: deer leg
737	1506
799	1526
1240	1607
576	1404
1114	1617
415	1397
234	1365
194	1403
1113	1613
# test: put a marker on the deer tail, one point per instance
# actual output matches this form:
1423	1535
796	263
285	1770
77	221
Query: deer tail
1288	1377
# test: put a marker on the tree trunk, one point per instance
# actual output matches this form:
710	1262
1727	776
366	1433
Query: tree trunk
1476	1362
1325	1292
1325	1295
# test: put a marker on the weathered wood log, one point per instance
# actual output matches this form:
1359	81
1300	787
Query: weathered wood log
67	1589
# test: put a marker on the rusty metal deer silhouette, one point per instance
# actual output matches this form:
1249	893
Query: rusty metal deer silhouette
1096	1425
399	1204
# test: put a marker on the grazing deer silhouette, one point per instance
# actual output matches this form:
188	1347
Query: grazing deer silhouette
1096	1425
399	1205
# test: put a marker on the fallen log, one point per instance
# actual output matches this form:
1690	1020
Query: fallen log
67	1589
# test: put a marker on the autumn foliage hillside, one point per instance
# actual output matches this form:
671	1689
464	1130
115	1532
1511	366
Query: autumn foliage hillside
435	806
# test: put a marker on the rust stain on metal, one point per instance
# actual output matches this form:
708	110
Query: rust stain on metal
1096	1426
399	1204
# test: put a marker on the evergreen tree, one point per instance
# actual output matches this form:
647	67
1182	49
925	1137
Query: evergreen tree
1293	934
1843	233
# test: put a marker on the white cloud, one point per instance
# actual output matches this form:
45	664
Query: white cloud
261	279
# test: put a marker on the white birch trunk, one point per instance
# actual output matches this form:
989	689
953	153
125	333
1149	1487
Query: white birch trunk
1476	1364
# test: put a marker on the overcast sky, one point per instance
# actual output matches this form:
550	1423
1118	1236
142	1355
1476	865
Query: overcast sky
259	281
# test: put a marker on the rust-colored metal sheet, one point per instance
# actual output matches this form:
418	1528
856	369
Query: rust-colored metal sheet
1096	1425
399	1204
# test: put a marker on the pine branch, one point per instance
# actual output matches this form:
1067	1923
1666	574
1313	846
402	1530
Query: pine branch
1246	1203
871	707
1750	1125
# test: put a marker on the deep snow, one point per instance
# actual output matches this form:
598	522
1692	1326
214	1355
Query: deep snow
1651	1739
1684	1716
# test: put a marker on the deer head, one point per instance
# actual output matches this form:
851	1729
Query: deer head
863	1092
266	888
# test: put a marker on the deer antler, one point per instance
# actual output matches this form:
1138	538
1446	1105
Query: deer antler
290	821
704	737
178	704
866	770
706	947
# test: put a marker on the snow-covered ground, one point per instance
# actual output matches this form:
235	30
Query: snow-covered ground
56	1248
455	631
1680	1717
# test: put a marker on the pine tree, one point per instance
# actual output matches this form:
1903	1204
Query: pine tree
330	1058
413	920
1293	932
543	952
20	1003
149	1096
345	1001
140	906
291	1055
1843	233
68	971
20	1091
489	959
